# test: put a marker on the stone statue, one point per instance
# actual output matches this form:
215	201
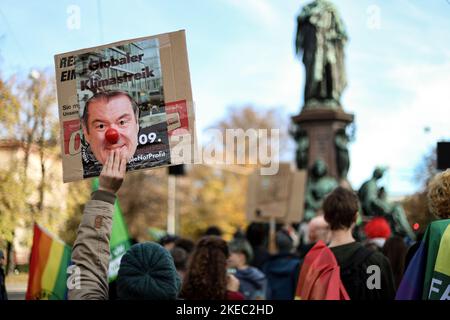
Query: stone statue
318	186
374	203
341	141
321	36
301	155
371	204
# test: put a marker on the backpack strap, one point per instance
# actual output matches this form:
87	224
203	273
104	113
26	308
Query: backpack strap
358	257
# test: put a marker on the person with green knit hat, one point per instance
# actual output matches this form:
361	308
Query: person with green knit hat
147	271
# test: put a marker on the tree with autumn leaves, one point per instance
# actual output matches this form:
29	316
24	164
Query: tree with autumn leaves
31	185
206	195
219	193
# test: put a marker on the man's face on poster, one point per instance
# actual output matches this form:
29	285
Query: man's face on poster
116	113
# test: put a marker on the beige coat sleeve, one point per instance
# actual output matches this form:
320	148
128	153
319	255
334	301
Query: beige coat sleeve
90	255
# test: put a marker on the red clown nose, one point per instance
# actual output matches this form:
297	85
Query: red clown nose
112	136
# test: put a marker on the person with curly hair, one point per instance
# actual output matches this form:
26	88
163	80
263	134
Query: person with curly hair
439	195
207	277
427	273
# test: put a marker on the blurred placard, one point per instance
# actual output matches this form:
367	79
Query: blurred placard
280	196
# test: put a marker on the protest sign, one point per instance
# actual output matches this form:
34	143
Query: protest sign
133	96
279	196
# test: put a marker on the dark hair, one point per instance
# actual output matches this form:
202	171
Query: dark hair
108	95
283	241
180	258
239	234
186	244
168	238
257	234
213	231
340	208
206	278
241	245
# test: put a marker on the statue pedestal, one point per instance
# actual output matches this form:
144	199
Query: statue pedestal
321	125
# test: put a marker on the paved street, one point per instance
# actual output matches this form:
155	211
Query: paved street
16	291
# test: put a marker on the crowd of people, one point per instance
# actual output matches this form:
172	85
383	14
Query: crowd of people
307	258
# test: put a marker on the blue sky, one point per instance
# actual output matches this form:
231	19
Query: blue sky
241	52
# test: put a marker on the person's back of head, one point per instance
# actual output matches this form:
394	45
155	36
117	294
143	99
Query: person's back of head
180	258
340	208
257	234
147	271
168	241
242	246
377	227
206	277
213	231
239	234
283	242
439	195
318	229
377	231
186	244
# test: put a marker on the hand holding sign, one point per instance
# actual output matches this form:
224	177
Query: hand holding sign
113	172
144	109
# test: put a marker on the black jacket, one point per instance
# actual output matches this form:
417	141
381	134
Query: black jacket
3	294
358	290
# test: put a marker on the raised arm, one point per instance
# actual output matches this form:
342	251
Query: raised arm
90	255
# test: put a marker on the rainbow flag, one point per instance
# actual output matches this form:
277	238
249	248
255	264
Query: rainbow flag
320	276
50	258
428	274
